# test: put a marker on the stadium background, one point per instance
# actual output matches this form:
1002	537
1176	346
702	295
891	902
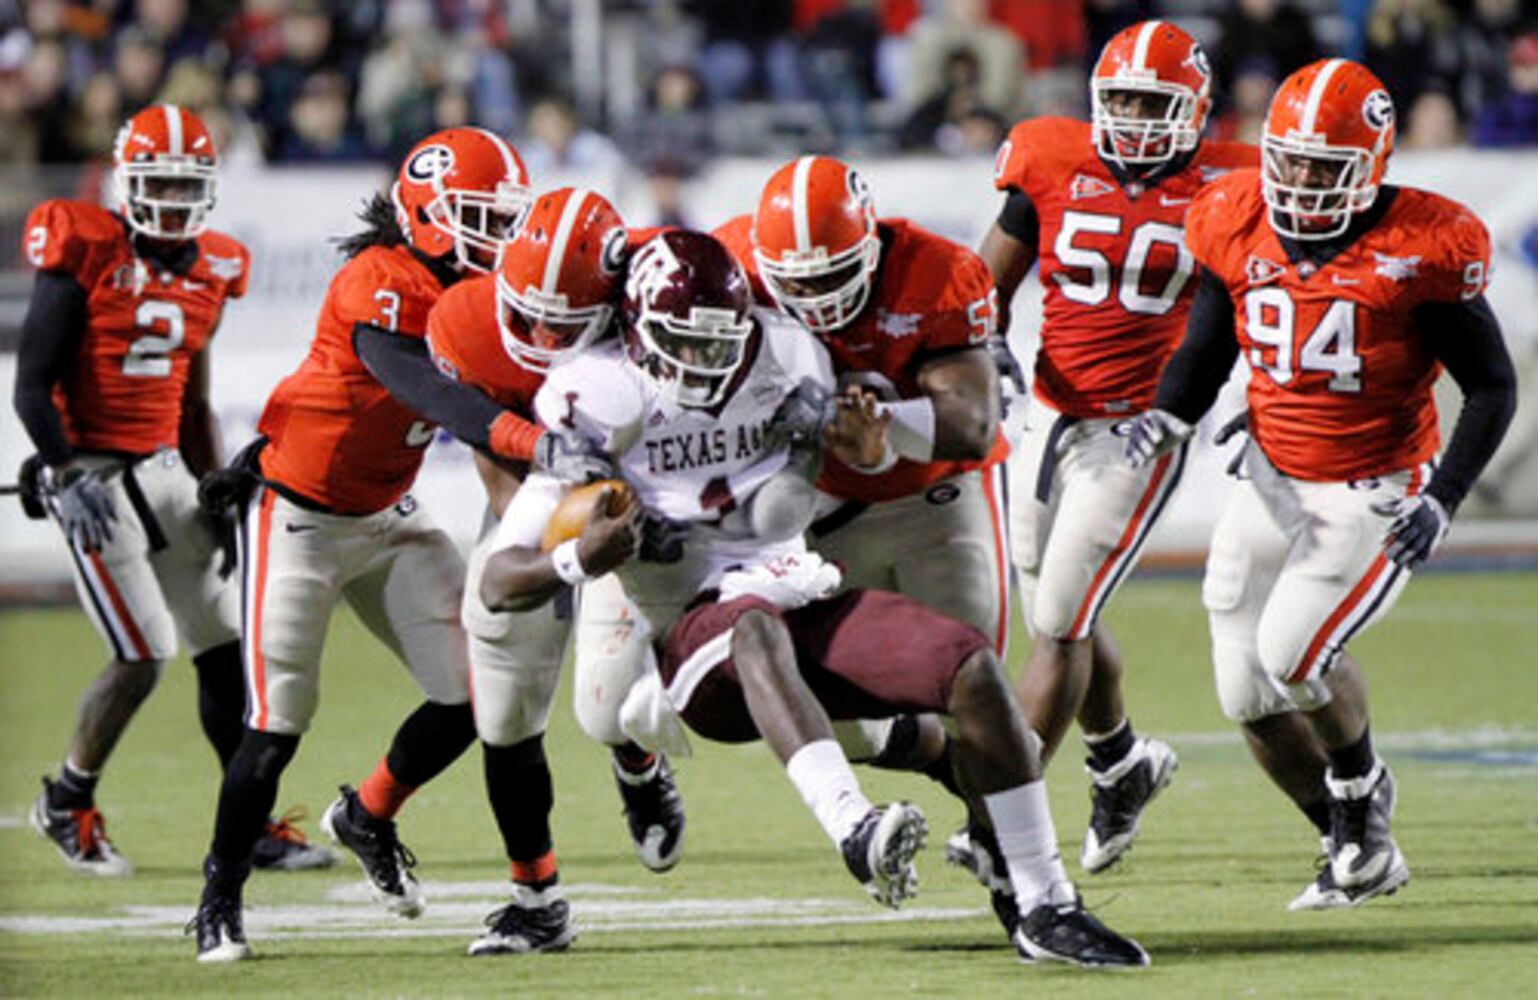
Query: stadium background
679	109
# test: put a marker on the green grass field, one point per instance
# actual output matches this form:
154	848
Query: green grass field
761	905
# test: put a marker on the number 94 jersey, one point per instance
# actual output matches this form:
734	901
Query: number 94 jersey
1116	273
1340	381
143	325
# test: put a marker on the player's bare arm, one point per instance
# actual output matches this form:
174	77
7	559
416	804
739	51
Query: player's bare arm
963	390
522	578
199	431
1010	252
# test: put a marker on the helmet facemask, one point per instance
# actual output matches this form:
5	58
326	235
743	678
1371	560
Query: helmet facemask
1143	124
693	360
1312	188
167	197
480	222
541	329
825	293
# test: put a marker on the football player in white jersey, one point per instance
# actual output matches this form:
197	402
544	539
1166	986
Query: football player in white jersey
698	408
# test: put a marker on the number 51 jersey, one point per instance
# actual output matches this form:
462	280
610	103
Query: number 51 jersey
143	325
1340	379
1114	267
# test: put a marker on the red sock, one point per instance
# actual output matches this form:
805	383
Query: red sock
381	794
537	872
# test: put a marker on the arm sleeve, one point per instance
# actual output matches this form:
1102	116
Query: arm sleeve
50	339
1466	338
1018	218
1197	370
403	366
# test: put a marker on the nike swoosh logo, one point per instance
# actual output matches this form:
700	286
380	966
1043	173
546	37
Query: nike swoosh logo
1344	281
294	529
1169	202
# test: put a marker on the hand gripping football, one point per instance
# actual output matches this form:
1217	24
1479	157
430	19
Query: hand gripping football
570	517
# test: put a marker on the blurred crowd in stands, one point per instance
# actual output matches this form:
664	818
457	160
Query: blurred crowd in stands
665	85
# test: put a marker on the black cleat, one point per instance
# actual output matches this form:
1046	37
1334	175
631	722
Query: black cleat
1363	861
1121	793
533	921
1070	933
654	811
284	847
386	861
221	938
79	834
879	853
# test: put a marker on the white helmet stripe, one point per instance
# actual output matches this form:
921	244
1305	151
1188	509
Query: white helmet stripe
798	200
509	165
173	129
1316	95
1144	39
561	237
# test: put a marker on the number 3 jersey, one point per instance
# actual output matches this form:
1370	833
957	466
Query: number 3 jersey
1115	270
1340	382
338	438
143	325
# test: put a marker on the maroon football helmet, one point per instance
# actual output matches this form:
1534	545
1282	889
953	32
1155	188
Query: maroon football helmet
685	320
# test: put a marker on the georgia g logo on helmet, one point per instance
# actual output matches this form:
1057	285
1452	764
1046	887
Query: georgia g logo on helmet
611	256
1378	110
429	163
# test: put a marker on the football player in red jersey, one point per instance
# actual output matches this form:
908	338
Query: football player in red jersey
112	387
491	340
1346	297
905	314
331	518
1099	205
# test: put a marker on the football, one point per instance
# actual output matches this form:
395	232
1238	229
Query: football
571	516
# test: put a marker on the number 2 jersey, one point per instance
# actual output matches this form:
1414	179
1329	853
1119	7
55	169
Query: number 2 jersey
337	437
1116	273
931	296
143	326
1340	382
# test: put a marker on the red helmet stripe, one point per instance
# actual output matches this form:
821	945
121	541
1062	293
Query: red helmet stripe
1316	95
173	129
799	202
562	236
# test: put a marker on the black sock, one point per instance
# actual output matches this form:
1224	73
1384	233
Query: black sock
245	802
522	795
73	790
1318	813
222	698
431	738
1107	751
1354	760
633	758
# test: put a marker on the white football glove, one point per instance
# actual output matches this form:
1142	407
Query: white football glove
1153	433
1419	526
788	582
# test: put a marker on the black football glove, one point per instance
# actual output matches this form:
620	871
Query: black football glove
1153	433
572	458
799	420
29	488
84	507
662	539
1011	375
1420	523
1238	425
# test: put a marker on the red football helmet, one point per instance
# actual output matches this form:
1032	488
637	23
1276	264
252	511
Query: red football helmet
686	321
462	191
814	238
1328	136
166	171
1149	95
559	277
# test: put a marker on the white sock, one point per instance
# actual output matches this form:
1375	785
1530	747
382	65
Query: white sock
827	784
1022	822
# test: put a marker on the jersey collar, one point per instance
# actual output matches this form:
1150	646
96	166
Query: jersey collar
1142	182
1320	252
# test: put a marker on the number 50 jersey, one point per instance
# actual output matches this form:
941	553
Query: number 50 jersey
1113	262
143	325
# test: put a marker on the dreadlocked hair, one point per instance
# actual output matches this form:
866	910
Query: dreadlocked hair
381	229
